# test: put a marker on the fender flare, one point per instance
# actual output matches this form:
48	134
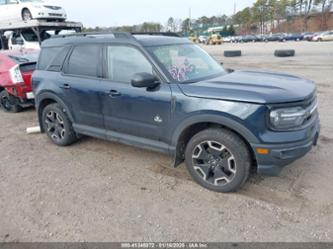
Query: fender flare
233	125
51	96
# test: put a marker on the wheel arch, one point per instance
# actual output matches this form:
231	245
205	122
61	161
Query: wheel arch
46	99
23	9
192	126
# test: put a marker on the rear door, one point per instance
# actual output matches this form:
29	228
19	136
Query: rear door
80	84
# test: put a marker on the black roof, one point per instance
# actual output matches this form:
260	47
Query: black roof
144	39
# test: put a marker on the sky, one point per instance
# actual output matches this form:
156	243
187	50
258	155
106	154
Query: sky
106	13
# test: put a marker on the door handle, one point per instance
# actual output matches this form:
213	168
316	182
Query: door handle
65	86
114	93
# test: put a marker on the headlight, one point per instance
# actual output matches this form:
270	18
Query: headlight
288	118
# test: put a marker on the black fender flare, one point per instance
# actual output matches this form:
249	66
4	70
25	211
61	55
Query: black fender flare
229	123
51	96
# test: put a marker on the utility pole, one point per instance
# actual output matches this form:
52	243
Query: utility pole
190	20
235	9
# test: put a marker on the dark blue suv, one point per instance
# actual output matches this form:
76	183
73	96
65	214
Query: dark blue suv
167	94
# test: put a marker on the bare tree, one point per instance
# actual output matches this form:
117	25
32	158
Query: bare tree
325	6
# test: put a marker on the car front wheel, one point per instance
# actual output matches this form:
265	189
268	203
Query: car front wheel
57	125
218	160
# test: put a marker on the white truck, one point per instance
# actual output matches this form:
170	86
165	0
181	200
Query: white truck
30	34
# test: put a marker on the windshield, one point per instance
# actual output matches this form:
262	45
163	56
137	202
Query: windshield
187	62
30	36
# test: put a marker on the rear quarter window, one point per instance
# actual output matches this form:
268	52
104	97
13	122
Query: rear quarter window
85	60
52	58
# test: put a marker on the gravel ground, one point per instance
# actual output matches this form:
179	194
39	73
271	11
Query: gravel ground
101	191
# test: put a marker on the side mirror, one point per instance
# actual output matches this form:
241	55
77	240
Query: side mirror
146	80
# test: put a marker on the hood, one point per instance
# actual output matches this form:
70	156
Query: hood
252	86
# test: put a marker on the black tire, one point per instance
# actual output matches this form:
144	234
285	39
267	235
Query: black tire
26	15
232	162
9	103
57	125
232	53
284	53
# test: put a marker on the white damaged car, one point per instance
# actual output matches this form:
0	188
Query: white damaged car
30	9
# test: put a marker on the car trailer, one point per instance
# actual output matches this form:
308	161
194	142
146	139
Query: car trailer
37	26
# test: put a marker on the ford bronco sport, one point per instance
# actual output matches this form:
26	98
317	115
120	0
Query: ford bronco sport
167	94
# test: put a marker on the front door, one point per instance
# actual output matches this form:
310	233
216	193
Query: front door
129	110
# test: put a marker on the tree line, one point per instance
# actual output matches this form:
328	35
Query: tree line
256	18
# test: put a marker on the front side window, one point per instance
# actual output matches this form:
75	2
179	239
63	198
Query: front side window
124	62
85	61
186	62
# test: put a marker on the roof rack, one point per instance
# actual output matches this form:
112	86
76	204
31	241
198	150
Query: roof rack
172	34
94	34
119	35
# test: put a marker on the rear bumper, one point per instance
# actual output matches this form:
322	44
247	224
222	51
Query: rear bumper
281	155
20	91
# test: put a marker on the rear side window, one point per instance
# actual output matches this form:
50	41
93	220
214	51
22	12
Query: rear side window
85	61
52	58
46	55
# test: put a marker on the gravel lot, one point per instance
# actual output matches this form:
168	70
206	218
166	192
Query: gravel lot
101	191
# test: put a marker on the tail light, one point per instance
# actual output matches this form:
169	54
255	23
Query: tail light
15	75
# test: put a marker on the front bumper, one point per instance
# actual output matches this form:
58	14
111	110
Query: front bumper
281	155
45	13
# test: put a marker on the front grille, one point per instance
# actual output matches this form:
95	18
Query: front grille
52	7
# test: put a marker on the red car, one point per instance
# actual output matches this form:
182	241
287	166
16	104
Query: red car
16	68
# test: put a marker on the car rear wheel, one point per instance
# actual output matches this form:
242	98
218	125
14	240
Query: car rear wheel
8	103
218	160
57	125
26	15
